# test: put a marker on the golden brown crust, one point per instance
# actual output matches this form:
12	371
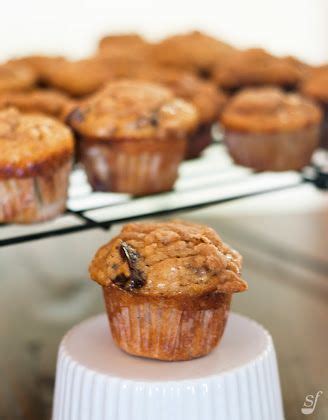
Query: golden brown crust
204	95
133	109
15	77
168	259
255	66
78	78
31	144
315	84
193	51
40	64
269	110
125	48
49	102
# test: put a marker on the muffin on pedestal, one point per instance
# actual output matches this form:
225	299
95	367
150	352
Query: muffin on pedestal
269	130
35	161
315	86
167	288
133	136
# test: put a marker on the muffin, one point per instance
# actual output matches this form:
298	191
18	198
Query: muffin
16	77
48	102
39	64
77	78
268	129
167	288
128	48
133	136
193	51
35	161
207	99
315	86
254	67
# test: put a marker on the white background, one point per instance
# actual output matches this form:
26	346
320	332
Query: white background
298	27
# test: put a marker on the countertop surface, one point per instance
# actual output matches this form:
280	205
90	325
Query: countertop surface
44	291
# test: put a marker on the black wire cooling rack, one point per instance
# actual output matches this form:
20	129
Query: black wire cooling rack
209	180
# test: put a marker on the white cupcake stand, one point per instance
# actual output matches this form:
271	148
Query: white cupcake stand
238	381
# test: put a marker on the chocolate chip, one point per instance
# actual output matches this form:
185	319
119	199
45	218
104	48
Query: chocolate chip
136	279
75	115
121	281
154	119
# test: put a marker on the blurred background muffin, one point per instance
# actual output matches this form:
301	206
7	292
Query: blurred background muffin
204	95
15	77
255	67
315	86
194	51
133	136
44	101
77	78
35	161
269	129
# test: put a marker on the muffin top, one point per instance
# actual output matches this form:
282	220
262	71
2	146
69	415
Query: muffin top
14	76
204	95
124	48
268	109
255	67
30	144
134	109
193	51
49	102
77	78
40	64
316	84
168	259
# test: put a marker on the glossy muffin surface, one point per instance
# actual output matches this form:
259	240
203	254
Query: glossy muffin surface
168	259
31	143
269	110
133	109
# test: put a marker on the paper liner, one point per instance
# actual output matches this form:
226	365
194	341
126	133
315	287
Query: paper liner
34	199
164	328
198	141
273	152
137	167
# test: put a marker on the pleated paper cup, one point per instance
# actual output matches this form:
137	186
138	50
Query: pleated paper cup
181	328
138	167
36	198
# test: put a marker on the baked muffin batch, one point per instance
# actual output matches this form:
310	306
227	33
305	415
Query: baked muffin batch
136	109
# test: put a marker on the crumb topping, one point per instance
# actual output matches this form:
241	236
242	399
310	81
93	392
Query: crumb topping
168	258
30	142
133	109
